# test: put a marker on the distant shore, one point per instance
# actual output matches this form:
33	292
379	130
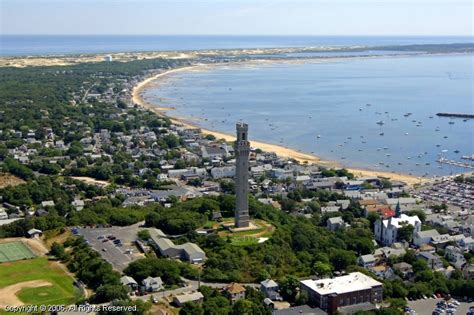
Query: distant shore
137	98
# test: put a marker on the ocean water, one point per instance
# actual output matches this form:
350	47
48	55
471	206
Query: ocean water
14	45
292	103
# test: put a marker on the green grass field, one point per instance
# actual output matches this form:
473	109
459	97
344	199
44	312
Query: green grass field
249	237
13	251
61	291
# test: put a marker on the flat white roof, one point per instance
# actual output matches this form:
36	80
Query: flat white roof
355	281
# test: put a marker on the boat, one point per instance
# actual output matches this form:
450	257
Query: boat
451	122
444	151
385	148
380	122
456	151
318	136
406	133
381	134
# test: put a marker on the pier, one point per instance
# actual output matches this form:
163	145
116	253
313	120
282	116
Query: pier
455	163
456	115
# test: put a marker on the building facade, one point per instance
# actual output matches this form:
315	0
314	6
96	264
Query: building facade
352	289
242	151
386	231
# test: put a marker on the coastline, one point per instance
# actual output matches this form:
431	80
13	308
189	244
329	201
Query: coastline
268	147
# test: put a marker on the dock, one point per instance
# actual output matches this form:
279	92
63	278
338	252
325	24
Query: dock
455	163
456	115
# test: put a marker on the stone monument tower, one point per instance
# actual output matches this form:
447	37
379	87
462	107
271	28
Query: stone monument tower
242	150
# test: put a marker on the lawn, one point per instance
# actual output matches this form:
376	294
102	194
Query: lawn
62	290
250	237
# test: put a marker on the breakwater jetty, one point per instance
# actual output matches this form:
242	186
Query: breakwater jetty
456	115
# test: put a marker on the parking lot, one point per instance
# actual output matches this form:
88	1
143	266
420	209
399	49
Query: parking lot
115	244
426	307
446	190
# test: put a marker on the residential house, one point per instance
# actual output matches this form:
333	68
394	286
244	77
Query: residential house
468	271
335	223
406	270
222	172
152	284
215	151
129	282
48	203
366	261
3	214
34	233
433	261
382	271
270	288
78	204
234	291
455	256
424	237
329	209
195	297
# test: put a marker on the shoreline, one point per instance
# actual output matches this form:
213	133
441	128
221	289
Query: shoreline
301	157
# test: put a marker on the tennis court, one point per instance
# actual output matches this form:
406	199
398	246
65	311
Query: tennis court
13	251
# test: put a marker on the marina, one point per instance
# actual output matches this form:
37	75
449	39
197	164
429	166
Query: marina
393	120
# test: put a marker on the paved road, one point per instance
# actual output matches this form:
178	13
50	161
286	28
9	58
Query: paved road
191	285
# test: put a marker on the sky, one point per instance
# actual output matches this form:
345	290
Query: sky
238	17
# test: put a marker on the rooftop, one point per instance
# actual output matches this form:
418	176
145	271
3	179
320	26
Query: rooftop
354	281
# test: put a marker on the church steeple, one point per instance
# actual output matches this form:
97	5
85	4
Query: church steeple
398	210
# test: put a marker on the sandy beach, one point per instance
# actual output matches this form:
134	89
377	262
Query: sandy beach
279	150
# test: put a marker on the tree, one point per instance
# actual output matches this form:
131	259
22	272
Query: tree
242	307
341	259
109	292
58	251
289	288
216	305
322	269
190	308
144	235
405	233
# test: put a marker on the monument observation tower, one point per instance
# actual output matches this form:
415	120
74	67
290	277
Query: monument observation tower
242	150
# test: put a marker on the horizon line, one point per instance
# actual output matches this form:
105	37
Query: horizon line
253	35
